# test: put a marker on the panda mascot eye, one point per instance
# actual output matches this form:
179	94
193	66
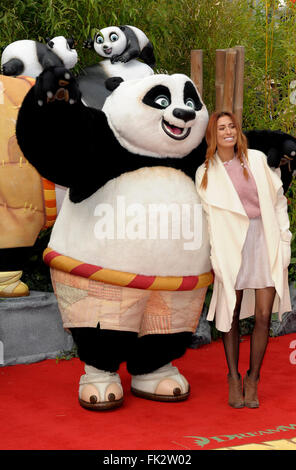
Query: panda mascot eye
113	37
99	40
162	101
190	103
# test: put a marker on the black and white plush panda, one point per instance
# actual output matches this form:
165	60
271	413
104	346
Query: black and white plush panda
140	276
120	47
30	58
122	44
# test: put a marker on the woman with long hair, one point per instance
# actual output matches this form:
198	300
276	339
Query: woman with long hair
250	246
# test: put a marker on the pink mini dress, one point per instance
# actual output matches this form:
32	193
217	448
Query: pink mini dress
254	271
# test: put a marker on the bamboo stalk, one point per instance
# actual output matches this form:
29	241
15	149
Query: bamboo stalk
219	81
197	69
239	83
230	62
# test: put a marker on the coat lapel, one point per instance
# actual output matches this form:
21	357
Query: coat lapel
220	190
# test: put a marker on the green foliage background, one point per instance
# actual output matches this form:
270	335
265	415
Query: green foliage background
175	27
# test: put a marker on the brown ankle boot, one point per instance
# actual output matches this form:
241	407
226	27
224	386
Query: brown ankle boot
235	398
250	392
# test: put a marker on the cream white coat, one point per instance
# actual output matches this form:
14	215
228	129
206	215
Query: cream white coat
228	225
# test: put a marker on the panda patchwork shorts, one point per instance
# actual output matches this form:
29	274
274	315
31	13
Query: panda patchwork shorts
85	303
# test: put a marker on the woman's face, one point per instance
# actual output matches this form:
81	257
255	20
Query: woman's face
226	133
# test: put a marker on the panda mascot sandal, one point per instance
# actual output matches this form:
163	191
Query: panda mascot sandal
129	252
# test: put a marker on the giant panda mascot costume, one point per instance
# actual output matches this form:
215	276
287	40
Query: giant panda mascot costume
130	286
127	296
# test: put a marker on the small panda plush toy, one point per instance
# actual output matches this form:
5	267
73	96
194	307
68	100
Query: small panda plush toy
123	44
120	47
130	230
30	58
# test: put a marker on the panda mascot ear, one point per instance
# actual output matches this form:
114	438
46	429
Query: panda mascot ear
113	82
50	44
71	43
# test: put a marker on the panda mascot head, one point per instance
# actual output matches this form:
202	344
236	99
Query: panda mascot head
159	116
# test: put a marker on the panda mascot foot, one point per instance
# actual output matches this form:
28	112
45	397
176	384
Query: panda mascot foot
11	285
100	390
164	384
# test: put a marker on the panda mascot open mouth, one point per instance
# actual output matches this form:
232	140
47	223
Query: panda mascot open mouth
175	132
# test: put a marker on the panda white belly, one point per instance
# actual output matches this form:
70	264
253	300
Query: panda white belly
117	227
128	70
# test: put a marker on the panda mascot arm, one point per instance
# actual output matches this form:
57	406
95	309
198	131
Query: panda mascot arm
280	149
74	145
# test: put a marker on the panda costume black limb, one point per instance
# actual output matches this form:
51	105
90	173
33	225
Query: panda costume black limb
280	149
107	349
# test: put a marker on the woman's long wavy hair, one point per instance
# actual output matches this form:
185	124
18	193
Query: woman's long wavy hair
241	146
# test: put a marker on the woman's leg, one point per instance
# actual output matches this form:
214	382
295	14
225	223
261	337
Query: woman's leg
263	307
231	339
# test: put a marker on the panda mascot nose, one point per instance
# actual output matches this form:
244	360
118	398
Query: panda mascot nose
184	114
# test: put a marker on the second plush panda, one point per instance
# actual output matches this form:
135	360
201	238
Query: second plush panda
30	58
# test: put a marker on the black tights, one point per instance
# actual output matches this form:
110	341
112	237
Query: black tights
263	306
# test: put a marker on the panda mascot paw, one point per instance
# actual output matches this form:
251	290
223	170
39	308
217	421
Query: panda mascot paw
56	83
124	58
280	149
88	43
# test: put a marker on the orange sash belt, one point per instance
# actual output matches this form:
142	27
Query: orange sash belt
119	278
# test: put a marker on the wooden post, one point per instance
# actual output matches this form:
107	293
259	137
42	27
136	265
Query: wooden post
219	82
197	69
230	62
239	83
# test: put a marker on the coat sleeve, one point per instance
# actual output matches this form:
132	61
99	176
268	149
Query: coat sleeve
281	206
